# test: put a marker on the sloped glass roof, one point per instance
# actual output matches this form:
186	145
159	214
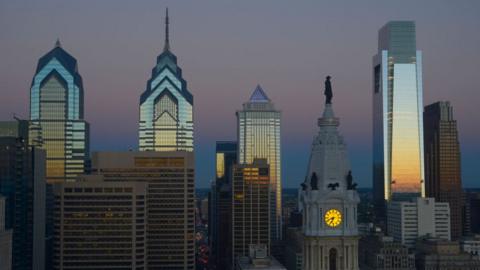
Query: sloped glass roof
259	95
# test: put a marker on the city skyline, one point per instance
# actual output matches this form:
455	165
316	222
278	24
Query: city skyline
298	78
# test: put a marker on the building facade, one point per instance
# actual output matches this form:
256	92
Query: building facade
258	134
328	202
5	239
100	224
442	162
379	252
250	208
407	221
22	183
170	231
166	106
258	258
220	200
398	163
56	112
440	254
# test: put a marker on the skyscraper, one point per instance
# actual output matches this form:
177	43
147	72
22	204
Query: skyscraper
250	207
5	239
170	207
442	161
166	106
397	115
220	200
22	183
258	134
56	110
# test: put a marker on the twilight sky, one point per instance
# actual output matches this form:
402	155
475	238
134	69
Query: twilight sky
226	48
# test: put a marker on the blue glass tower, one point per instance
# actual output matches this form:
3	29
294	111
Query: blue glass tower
166	106
56	112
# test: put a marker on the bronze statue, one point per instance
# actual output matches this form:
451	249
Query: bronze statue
314	181
350	184
328	91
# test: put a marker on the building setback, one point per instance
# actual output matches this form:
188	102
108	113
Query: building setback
100	225
251	208
166	106
170	232
442	162
56	114
22	183
397	115
258	135
407	221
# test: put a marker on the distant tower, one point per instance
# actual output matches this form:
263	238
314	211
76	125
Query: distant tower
398	169
56	110
442	161
166	106
258	134
328	201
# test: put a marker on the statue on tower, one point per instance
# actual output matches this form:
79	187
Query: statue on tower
328	91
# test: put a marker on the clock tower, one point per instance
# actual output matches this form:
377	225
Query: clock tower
328	200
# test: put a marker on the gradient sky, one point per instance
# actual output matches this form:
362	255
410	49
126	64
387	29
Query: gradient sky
226	48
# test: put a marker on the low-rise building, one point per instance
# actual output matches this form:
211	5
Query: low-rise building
440	254
409	220
258	258
471	245
380	252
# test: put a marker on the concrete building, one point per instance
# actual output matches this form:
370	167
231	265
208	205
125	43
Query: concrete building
22	183
443	178
379	252
100	224
407	221
5	240
250	208
439	254
471	245
258	135
328	201
170	233
258	258
398	163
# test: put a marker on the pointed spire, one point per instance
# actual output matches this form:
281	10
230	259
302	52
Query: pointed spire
259	95
167	34
58	44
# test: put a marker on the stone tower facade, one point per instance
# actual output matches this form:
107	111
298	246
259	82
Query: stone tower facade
328	201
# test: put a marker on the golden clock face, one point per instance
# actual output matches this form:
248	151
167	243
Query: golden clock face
333	218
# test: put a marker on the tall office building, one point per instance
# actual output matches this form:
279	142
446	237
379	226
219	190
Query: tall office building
22	183
220	200
258	134
100	225
56	110
398	167
170	207
251	207
407	221
442	161
5	239
166	106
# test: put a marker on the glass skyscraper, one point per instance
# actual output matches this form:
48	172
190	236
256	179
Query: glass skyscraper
258	127
56	113
166	106
398	167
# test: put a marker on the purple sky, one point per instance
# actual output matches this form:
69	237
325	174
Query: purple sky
226	49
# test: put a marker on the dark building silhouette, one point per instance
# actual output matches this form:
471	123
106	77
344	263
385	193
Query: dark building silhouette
442	161
220	204
22	183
